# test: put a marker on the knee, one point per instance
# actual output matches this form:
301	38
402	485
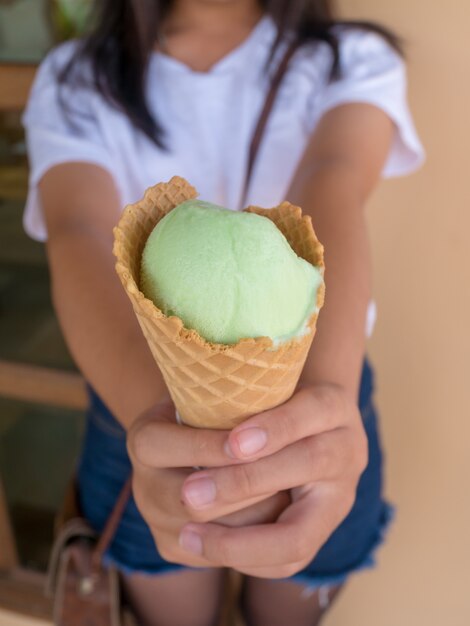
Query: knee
286	603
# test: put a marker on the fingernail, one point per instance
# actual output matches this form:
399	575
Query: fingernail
200	492
191	541
251	441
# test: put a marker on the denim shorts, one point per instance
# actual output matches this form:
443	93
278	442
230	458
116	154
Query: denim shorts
104	466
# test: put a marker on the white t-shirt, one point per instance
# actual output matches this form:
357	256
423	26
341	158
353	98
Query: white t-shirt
209	119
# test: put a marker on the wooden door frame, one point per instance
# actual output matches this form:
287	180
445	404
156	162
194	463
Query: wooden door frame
18	78
8	551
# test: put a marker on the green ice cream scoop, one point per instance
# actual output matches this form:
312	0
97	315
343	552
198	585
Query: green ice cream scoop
228	275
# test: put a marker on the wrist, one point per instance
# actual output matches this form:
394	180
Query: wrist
345	377
329	388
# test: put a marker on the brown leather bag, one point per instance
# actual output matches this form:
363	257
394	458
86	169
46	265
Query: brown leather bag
85	592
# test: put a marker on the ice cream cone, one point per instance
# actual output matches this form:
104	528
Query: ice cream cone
214	385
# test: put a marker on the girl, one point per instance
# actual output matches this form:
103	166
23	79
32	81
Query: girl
164	87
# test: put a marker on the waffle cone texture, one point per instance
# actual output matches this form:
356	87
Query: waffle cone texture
214	385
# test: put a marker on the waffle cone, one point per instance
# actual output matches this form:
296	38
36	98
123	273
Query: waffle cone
213	385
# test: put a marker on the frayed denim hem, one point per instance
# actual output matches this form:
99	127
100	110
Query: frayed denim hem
310	582
168	568
318	582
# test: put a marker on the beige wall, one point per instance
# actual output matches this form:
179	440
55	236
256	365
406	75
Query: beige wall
420	236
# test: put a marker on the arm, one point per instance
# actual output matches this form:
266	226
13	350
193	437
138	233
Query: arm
339	170
81	206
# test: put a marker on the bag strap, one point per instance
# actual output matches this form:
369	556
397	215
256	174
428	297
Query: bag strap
75	528
111	525
264	116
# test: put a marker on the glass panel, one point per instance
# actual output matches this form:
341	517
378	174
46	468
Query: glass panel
28	28
25	31
38	448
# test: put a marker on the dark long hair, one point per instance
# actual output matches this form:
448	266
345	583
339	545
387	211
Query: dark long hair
124	32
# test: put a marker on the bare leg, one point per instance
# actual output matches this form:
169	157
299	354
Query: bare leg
187	598
277	603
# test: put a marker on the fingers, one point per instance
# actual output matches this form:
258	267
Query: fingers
157	443
297	536
170	549
156	495
155	440
215	491
310	411
265	511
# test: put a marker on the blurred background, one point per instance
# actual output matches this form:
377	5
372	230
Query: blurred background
41	395
419	233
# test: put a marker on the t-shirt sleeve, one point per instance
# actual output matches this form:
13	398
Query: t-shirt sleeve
374	73
61	126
